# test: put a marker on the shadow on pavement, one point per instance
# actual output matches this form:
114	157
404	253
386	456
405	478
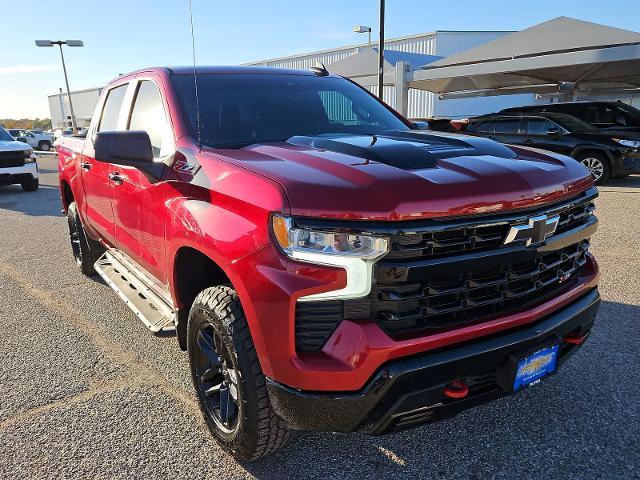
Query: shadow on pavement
583	413
43	202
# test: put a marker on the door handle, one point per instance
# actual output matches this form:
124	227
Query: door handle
528	140
86	166
116	178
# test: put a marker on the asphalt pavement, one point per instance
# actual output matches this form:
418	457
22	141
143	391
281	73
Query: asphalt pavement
87	392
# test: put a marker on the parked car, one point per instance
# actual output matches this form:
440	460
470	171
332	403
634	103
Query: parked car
616	116
38	141
325	265
604	155
18	164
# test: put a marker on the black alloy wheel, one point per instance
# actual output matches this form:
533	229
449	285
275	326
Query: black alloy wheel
217	379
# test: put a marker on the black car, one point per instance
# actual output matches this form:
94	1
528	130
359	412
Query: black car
603	154
611	116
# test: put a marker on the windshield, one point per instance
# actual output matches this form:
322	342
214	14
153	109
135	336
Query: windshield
242	109
573	124
4	135
633	112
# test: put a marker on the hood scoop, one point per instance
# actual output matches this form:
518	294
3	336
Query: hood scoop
404	153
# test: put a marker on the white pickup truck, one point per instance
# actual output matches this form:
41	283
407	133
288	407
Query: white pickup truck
17	163
39	141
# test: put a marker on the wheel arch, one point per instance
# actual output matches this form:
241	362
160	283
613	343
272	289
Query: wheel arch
192	271
582	149
66	195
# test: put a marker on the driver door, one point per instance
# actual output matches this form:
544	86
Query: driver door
545	134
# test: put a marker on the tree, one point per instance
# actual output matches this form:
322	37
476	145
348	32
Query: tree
26	123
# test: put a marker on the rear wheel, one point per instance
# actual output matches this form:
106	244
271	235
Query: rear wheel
598	166
44	146
30	185
85	250
228	379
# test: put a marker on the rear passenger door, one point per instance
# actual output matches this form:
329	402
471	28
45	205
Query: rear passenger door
97	183
507	130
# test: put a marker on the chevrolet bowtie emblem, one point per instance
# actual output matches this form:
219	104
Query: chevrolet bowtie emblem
536	231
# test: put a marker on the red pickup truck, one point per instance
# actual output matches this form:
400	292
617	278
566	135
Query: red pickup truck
326	265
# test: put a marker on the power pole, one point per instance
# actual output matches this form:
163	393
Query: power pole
381	53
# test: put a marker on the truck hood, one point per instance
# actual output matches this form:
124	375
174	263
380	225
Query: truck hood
13	146
408	175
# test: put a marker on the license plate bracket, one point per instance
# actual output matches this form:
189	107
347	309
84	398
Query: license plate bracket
531	368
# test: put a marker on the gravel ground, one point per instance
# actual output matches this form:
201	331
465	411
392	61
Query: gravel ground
87	392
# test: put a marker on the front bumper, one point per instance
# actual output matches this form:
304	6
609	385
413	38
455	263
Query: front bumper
627	163
409	392
13	175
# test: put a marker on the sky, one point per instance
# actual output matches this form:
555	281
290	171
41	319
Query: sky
124	35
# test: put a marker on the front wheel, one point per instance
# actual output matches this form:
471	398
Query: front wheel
30	185
598	166
44	146
228	379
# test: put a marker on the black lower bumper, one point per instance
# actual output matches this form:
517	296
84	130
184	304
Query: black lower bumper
11	179
410	391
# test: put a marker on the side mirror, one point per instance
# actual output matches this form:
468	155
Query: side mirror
555	131
131	148
22	139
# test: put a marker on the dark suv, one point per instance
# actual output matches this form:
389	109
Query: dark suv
603	154
616	116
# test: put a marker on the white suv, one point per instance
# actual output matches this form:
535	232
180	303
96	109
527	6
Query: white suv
17	163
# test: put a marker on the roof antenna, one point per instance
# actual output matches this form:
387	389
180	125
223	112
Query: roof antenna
320	70
195	77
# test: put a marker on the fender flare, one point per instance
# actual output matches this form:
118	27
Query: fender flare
577	151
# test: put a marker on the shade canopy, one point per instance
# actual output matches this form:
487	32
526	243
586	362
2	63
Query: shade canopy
364	63
561	55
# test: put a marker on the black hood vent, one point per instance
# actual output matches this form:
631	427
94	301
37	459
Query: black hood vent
400	153
406	150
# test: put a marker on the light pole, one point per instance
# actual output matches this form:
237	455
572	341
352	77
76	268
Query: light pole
363	29
69	43
381	53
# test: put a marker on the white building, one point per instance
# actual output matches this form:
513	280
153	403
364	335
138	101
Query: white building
421	103
84	102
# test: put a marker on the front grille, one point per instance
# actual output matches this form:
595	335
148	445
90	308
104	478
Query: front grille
11	159
461	239
424	285
449	300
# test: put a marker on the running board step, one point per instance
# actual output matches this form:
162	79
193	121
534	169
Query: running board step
154	312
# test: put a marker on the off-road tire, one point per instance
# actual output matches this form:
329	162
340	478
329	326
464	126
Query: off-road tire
85	250
30	185
259	431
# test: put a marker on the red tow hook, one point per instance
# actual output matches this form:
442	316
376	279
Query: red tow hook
574	339
456	389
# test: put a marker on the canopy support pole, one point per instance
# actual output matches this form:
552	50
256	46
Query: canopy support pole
401	82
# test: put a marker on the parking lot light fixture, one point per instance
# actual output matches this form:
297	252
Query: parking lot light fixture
69	43
363	29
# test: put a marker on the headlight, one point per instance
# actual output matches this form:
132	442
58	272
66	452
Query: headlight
353	252
627	143
29	157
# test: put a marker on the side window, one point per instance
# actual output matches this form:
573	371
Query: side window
148	115
507	125
485	127
111	109
539	126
